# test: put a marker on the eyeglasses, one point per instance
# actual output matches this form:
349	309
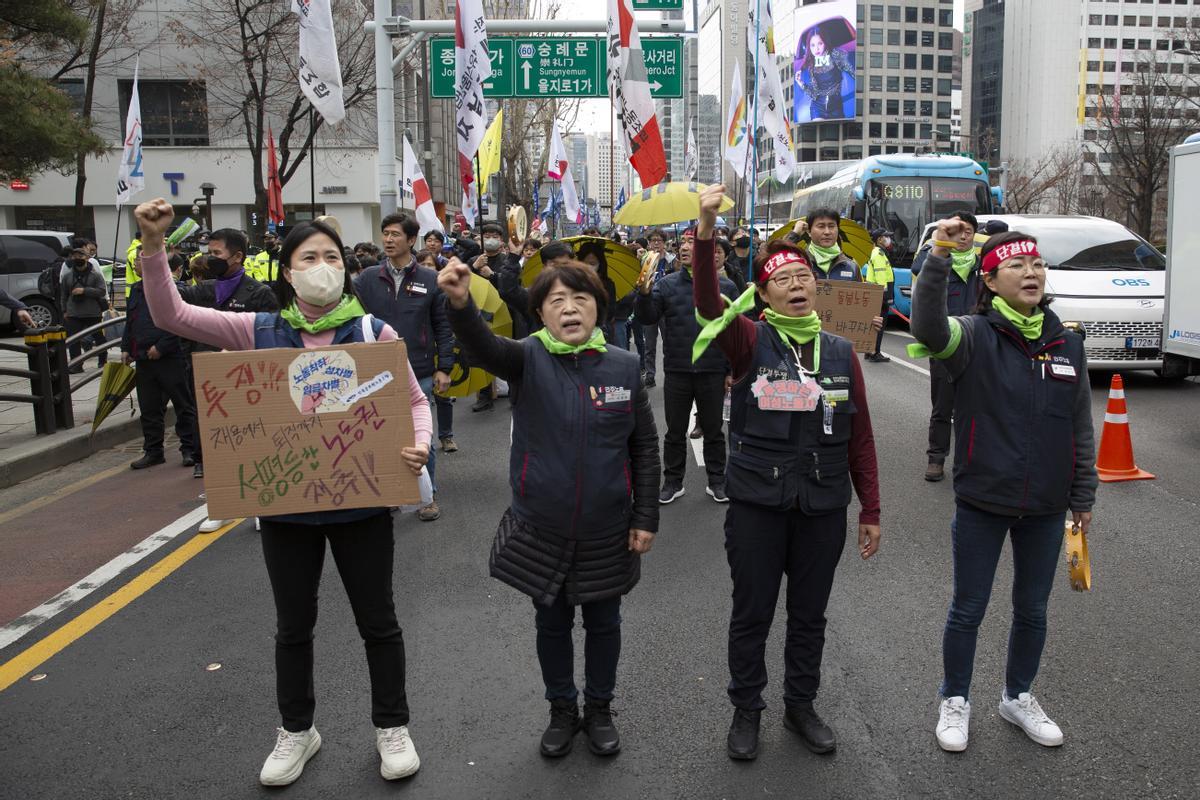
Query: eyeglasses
1038	267
393	235
790	279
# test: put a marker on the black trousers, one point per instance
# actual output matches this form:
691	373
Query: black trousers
157	382
76	324
883	312
941	393
363	552
680	390
650	337
601	647
762	546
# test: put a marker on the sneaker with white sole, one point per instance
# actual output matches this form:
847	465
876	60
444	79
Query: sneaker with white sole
211	525
292	751
954	718
399	757
1027	714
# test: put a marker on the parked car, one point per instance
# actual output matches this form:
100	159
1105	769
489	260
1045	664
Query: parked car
23	256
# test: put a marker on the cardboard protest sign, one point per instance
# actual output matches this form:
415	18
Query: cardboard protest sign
289	431
846	309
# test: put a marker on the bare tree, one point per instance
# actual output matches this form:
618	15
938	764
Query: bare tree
1136	131
1034	185
250	68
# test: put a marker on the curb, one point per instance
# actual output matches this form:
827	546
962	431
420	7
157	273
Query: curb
47	453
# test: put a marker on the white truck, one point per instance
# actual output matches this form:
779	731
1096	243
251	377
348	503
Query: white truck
1181	328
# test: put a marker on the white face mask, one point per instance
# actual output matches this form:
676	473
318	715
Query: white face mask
320	285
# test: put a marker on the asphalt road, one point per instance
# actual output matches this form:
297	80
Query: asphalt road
129	709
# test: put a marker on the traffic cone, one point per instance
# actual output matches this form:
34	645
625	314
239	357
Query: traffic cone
1116	447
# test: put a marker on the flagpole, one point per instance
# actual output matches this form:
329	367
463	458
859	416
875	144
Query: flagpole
478	192
754	140
312	157
112	288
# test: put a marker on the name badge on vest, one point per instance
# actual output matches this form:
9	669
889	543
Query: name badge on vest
417	288
1066	370
786	395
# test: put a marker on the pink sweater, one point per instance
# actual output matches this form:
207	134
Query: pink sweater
234	330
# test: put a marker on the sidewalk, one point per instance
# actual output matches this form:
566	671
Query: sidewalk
24	454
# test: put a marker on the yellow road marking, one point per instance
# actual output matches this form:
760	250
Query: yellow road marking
36	655
59	494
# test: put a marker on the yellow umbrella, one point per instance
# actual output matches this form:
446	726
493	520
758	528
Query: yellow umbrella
464	379
623	265
666	203
116	382
852	238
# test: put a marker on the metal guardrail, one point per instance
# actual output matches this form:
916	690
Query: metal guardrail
49	373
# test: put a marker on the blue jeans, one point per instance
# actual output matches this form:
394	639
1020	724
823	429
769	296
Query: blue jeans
639	342
427	388
445	416
601	648
978	538
621	333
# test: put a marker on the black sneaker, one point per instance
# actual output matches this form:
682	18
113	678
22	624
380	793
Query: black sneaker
670	493
742	742
878	358
486	404
148	460
189	460
717	492
935	472
198	471
603	739
565	722
649	382
814	733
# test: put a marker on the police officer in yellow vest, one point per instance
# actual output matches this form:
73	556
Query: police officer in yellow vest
264	265
131	276
878	269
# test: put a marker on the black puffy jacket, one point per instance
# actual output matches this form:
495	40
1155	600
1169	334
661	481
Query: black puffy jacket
671	301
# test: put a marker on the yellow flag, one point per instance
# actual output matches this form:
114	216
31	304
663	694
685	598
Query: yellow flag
489	150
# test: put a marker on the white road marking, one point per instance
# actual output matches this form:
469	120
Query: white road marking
905	334
909	364
73	594
697	444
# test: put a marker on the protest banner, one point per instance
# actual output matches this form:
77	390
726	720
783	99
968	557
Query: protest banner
290	431
846	309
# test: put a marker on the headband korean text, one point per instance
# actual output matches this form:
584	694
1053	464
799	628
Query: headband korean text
779	260
1021	247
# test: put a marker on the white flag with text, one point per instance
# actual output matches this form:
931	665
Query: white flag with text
131	177
320	71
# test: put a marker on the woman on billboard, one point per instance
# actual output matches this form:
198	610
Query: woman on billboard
825	71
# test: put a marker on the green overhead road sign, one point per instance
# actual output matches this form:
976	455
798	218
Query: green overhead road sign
560	66
441	68
657	5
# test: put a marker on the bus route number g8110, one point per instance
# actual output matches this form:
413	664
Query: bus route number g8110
902	191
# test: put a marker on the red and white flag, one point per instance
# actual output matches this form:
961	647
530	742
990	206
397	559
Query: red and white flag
559	169
416	187
274	186
472	67
630	92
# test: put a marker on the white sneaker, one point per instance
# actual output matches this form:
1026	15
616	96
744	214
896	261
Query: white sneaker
257	524
210	525
397	751
1025	713
953	720
292	751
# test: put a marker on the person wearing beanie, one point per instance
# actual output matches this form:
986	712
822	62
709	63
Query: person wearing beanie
799	439
1024	457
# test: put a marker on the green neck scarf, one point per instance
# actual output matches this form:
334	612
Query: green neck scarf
1030	327
962	263
824	256
557	348
798	330
343	312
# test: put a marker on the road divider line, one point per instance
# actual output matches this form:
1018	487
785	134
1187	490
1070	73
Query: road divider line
90	583
59	494
37	654
910	365
905	334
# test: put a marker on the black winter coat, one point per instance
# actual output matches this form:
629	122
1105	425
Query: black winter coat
671	301
140	331
250	295
417	313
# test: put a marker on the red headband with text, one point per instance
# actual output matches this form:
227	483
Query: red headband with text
1021	247
776	261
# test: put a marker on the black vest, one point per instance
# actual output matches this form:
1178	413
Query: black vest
1014	410
572	419
787	459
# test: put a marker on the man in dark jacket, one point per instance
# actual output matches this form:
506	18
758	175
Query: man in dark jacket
406	296
83	299
20	311
162	374
703	383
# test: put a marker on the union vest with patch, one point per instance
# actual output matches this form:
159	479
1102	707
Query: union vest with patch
787	459
1014	416
271	330
569	464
